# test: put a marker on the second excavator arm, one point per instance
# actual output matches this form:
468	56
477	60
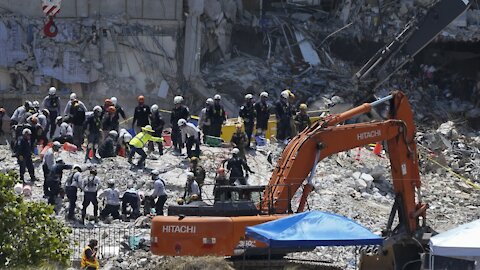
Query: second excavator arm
302	154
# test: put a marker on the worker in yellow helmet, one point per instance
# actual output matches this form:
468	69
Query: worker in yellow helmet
139	141
89	256
302	120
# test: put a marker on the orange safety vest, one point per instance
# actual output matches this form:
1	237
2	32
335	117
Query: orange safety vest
87	263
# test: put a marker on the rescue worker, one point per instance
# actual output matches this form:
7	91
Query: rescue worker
198	171
123	141
48	162
131	198
90	188
36	106
239	140
89	256
262	113
73	97
158	193
65	133
218	118
284	112
247	113
220	180
23	152
237	165
108	148
190	136
140	116
205	118
139	141
38	122
55	183
157	124
43	120
19	115
52	103
192	189
93	126
112	206
302	120
107	103
72	184
110	121
179	111
118	109
77	116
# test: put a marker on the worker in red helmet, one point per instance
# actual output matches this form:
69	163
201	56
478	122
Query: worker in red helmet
141	114
110	121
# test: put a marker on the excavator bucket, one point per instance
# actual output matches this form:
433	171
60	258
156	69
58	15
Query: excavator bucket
395	257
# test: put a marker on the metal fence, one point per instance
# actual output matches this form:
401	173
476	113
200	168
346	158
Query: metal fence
110	240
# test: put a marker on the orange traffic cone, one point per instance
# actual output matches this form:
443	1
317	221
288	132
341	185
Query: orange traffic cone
377	150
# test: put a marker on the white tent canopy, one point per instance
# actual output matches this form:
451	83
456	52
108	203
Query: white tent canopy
460	242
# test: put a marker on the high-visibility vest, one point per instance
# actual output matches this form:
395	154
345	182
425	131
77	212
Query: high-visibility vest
87	263
142	138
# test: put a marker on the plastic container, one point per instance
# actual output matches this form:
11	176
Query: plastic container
69	147
213	141
167	139
261	141
44	150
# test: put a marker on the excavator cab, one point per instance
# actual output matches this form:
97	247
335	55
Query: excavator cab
229	201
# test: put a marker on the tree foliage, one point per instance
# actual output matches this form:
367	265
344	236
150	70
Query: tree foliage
29	233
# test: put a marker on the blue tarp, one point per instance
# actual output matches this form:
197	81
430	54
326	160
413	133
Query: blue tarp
312	229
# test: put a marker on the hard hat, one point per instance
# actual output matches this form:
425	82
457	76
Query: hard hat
46	112
264	94
111	182
194	197
108	102
155	172
27	190
217	97
28	104
127	137
130	185
147	128
18	189
154	108
52	91
56	144
112	109
58	119
59	160
190	175
180	201
97	109
209	101
34	120
114	100
181	122
303	106
36	104
73	96
77	167
248	96
177	99
141	99
235	151
285	94
194	159
113	133
26	131
2	110
221	171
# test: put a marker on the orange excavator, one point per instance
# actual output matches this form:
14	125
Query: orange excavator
199	229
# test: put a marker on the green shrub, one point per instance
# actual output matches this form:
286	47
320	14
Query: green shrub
29	233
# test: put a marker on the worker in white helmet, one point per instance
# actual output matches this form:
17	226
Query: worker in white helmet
93	129
218	118
23	152
123	146
112	198
73	97
247	113
108	148
238	168
179	111
119	109
262	113
190	136
52	103
157	123
284	112
192	190
205	118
